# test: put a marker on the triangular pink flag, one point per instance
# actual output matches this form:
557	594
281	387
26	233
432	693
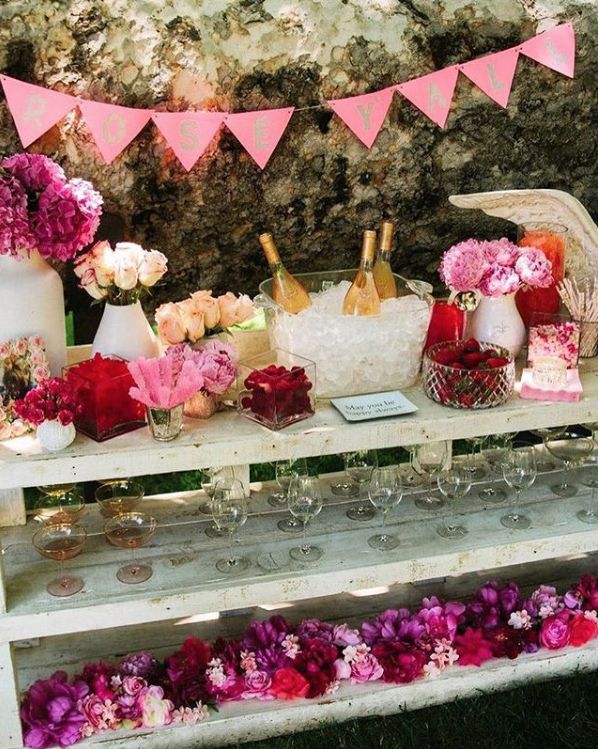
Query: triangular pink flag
554	48
113	127
432	93
494	74
34	108
364	114
259	132
188	133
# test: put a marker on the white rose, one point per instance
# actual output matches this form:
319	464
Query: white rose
126	272
152	267
102	260
130	249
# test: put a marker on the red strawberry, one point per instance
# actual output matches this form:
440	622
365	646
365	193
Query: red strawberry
473	359
497	361
470	346
457	365
444	356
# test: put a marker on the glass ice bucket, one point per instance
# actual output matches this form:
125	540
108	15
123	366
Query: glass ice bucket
353	354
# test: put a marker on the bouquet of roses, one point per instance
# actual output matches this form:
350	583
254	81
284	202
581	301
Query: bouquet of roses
121	275
201	314
41	210
493	268
51	400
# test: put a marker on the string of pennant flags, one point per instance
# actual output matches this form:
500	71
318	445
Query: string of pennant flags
35	109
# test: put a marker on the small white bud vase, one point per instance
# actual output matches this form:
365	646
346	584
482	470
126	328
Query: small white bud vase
124	331
54	436
497	320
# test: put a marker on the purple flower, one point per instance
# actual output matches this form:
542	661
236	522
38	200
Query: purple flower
265	640
343	635
393	625
139	664
50	711
440	621
510	598
310	629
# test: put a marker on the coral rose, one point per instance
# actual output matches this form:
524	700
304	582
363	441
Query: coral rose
288	684
205	304
234	310
192	319
171	326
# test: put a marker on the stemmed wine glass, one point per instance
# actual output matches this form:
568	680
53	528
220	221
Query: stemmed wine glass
385	493
305	502
209	477
572	448
496	449
289	523
60	503
131	530
429	460
61	541
589	477
454	483
359	465
409	477
119	496
519	471
229	510
285	470
476	470
543	462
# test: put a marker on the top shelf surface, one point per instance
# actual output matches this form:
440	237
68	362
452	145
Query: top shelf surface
230	439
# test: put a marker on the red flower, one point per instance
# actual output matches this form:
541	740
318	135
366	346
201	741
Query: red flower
401	662
316	664
186	680
555	632
582	630
51	399
288	684
588	590
506	642
473	647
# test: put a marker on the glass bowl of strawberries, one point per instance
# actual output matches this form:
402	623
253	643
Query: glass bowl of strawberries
468	374
277	388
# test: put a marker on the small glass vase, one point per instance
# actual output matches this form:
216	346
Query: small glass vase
165	423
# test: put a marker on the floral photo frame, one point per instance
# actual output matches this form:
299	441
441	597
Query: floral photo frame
23	365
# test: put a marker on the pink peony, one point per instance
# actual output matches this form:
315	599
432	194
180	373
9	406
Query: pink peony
257	686
216	362
343	635
555	631
534	268
463	265
500	251
366	668
499	280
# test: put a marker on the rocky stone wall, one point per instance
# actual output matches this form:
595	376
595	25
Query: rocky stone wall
322	187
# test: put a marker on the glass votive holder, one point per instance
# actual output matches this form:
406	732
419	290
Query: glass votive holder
447	323
165	423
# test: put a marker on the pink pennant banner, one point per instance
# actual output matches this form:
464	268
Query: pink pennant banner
34	108
493	74
554	48
259	132
432	93
113	127
364	115
188	133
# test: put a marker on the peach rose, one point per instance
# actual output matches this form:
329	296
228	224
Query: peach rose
171	327
95	291
5	431
193	320
155	710
102	260
234	310
152	267
204	303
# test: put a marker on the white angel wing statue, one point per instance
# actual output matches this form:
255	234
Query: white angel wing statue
556	206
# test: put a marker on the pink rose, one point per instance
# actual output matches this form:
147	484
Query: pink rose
155	710
342	669
366	668
257	686
234	311
171	326
133	685
192	319
205	304
101	257
555	632
152	267
343	635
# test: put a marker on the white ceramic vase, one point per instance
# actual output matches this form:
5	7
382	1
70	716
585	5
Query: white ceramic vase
497	320
125	332
54	436
32	300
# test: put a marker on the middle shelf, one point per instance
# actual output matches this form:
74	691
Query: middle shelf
186	582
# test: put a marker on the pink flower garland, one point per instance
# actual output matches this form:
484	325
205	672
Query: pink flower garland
274	660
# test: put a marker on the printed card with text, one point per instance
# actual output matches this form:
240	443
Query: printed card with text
374	406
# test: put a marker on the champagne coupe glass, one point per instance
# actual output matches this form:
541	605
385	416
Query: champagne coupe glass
519	471
285	470
305	502
385	493
496	449
454	483
61	541
358	467
589	477
119	496
130	530
430	458
543	462
473	465
572	448
229	510
60	503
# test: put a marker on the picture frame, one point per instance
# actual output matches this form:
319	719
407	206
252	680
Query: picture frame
23	365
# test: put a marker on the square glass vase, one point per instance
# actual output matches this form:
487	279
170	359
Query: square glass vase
103	389
276	388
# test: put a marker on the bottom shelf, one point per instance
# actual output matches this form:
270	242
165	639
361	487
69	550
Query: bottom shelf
247	721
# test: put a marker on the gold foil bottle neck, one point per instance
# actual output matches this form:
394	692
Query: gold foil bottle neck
269	249
368	246
386	236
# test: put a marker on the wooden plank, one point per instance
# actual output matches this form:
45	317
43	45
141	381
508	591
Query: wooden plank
252	720
185	581
10	723
12	507
229	439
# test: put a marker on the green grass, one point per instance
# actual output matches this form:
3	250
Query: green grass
553	715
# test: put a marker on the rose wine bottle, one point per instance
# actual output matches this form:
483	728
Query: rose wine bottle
286	290
383	277
362	298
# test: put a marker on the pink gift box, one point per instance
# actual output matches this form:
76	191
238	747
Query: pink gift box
570	391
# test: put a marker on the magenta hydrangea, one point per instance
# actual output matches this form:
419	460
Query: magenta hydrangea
40	209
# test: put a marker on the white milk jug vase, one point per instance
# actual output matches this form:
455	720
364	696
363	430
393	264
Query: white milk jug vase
124	331
497	320
32	301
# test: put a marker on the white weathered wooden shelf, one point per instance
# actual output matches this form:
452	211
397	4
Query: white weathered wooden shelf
185	580
229	439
